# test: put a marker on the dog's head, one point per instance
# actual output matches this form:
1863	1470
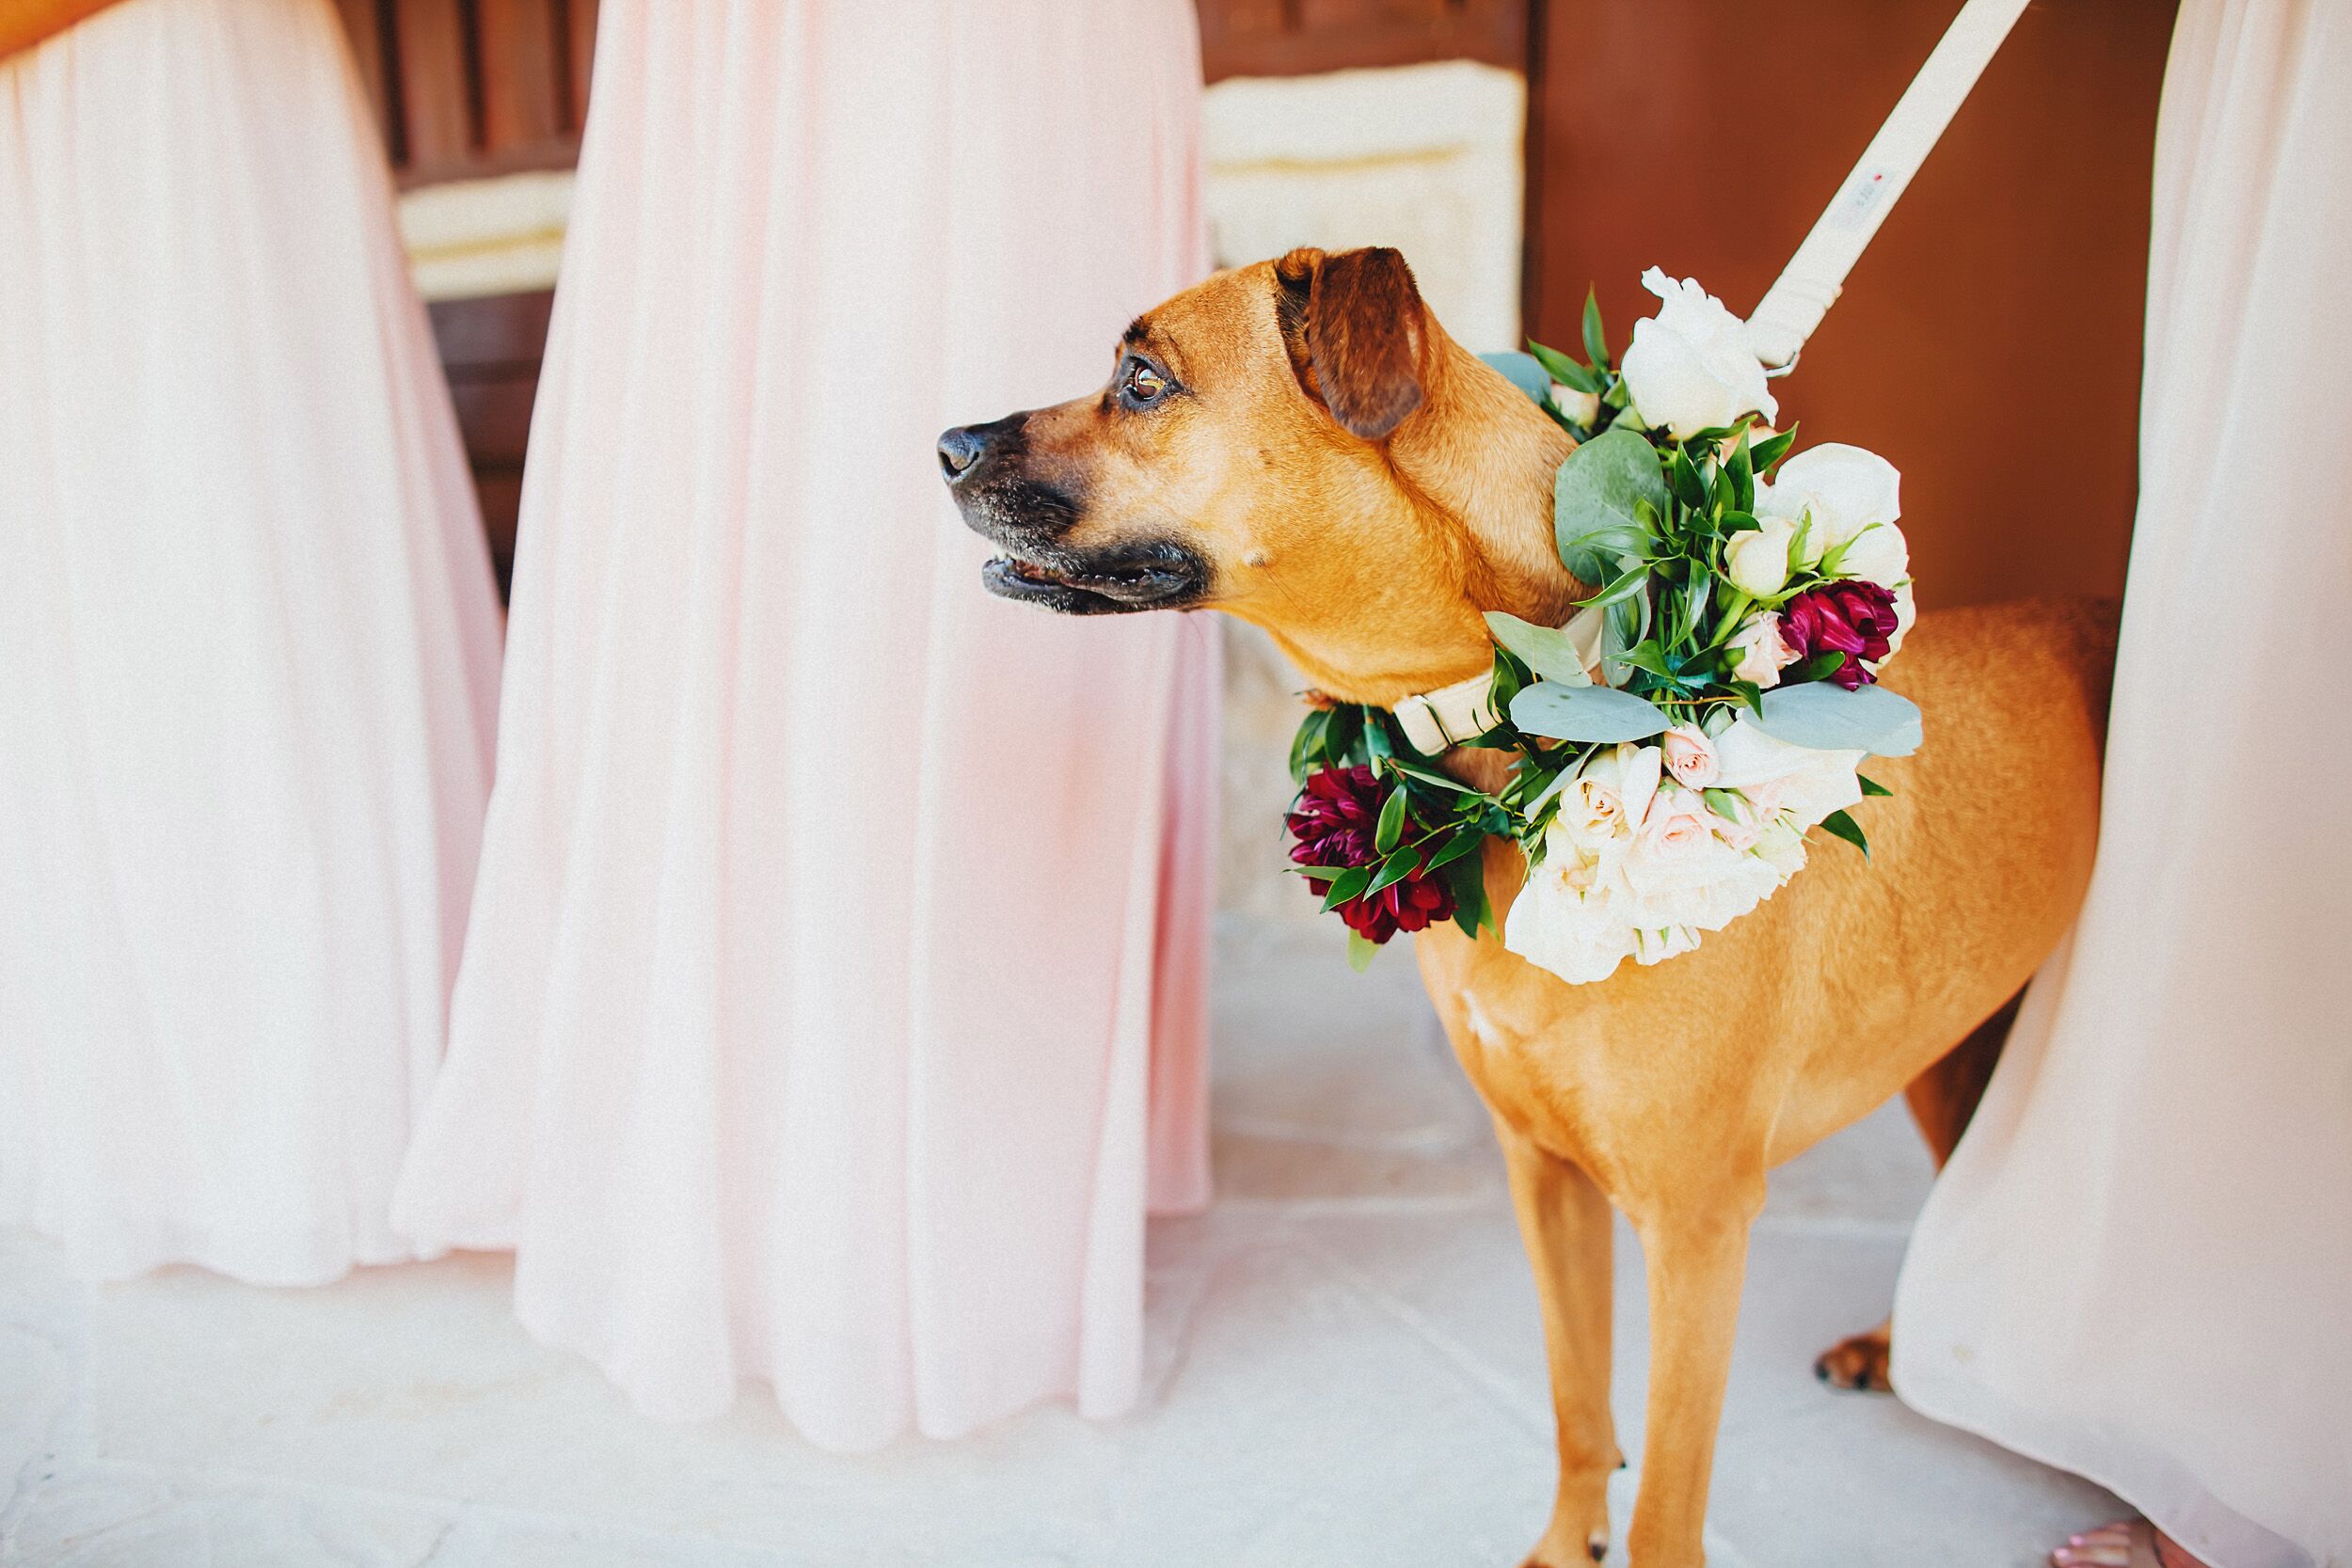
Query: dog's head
1297	442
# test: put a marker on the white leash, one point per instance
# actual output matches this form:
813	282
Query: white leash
1809	285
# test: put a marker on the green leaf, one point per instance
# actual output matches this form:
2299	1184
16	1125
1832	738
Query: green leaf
1722	803
1321	873
1596	340
1742	471
1695	600
1770	451
1628	583
1522	370
1845	827
1395	869
1349	885
1425	776
1392	827
1688	487
1361	949
1599	487
1819	668
1461	844
1564	370
1307	746
1871	787
1830	719
1342	734
1588	713
1550	653
1466	881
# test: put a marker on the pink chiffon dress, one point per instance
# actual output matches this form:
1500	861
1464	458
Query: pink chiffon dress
2139	1264
249	651
832	1002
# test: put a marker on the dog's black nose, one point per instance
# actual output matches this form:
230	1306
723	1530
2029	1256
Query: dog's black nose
959	450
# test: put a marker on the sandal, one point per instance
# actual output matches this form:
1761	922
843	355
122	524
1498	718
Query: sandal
2126	1544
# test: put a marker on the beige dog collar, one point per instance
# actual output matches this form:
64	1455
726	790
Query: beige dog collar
1436	721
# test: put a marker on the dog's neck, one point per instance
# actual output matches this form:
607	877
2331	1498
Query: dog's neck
1470	490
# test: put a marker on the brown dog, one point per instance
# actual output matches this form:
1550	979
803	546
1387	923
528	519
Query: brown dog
1299	443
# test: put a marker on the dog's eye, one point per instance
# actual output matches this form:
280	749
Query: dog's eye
1140	384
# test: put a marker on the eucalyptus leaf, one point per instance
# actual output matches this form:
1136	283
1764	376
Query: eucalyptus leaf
1599	485
1830	719
1522	372
1588	713
1548	652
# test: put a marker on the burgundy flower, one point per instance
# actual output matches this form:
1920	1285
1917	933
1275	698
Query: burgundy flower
1853	617
1334	823
1409	904
1335	816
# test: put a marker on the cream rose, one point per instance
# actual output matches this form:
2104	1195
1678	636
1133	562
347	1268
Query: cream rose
1688	367
1689	757
1583	407
1763	653
1756	559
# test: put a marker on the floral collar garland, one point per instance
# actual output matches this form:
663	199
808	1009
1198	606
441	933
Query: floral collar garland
1673	744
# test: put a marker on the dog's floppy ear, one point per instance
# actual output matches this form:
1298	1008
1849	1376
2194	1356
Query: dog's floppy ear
1354	326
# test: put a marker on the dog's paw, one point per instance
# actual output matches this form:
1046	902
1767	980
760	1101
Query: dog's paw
1579	1534
1858	1363
1595	1549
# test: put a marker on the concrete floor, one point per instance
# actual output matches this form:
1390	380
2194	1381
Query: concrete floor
1344	1369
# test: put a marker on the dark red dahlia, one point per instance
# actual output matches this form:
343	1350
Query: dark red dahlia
1334	823
1854	618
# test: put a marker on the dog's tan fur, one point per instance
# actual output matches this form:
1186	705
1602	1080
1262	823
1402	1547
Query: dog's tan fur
1367	526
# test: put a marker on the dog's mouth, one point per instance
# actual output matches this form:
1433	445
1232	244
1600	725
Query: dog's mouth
1161	575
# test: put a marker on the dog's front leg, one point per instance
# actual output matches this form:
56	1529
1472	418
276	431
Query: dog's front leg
1565	1223
1698	1253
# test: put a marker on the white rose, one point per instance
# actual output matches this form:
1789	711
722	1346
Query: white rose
1763	653
1560	924
1906	612
1688	367
1653	947
1756	559
1842	489
1797	783
1878	554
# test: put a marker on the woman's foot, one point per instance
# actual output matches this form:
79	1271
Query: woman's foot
2127	1543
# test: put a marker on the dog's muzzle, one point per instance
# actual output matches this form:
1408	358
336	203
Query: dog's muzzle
1029	518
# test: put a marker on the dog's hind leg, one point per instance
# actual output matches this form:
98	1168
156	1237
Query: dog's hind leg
1565	1223
1696	1247
1942	1100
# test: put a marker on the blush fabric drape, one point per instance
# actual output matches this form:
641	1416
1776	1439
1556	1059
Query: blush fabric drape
832	1000
2138	1265
249	651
